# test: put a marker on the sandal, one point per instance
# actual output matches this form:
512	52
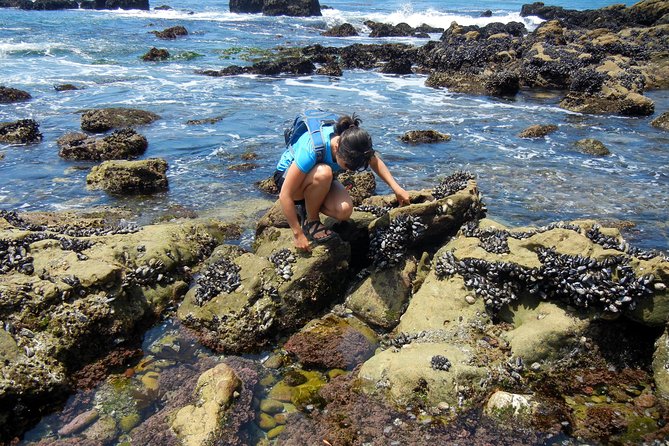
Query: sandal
312	229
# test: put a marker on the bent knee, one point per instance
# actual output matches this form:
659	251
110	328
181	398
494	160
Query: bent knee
345	210
323	173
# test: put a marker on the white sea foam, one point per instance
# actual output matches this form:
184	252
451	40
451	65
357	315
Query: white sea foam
173	14
430	16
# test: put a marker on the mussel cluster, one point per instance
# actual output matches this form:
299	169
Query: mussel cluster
149	274
439	362
14	255
220	276
282	260
388	245
452	184
609	242
377	211
491	239
609	284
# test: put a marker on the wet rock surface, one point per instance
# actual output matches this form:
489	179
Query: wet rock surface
171	32
121	144
74	288
9	95
129	177
23	131
102	120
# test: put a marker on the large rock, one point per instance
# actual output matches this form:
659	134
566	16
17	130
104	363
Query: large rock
246	6
48	5
612	102
102	120
413	373
171	32
9	95
129	177
121	144
382	297
24	131
243	300
74	288
196	424
294	8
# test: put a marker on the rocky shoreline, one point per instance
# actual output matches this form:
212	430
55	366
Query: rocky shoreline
423	324
430	307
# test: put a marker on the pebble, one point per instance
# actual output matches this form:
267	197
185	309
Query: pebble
471	300
535	366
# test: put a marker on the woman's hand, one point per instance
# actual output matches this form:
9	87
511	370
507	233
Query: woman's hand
301	242
402	196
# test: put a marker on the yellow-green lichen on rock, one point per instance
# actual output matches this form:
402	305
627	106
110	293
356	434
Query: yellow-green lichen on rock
198	423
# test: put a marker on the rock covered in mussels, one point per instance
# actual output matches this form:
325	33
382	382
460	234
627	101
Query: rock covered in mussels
129	177
9	95
23	131
120	144
104	119
90	284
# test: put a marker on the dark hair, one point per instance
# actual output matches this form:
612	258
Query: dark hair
355	144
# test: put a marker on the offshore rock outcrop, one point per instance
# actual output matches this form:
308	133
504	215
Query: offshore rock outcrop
52	5
295	8
9	95
121	144
23	131
74	288
105	119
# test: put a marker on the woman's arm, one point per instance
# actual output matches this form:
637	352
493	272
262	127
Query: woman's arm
290	191
380	168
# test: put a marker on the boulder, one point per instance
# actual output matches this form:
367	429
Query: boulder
503	83
156	54
9	95
104	119
424	136
382	297
49	5
593	147
538	131
23	131
332	343
343	30
171	33
294	8
243	300
332	69
415	373
609	102
542	331
121	144
661	122
122	4
398	66
65	87
215	391
246	6
129	177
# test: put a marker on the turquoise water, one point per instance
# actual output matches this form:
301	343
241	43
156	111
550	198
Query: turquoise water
524	182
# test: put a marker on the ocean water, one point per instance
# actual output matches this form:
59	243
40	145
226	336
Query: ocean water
524	182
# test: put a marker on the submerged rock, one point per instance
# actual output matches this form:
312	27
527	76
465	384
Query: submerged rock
591	146
129	177
332	343
661	122
214	392
343	30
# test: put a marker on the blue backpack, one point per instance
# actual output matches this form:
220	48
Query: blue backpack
311	121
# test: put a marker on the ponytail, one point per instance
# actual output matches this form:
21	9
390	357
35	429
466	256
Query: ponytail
355	144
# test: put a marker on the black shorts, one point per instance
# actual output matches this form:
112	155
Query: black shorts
279	178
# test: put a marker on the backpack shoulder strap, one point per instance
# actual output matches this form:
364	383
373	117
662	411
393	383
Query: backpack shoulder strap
315	120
